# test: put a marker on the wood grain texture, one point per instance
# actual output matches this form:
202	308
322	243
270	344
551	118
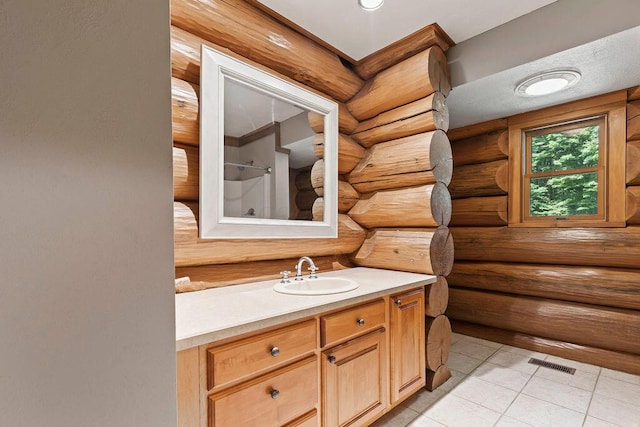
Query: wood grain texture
481	148
625	362
186	173
317	210
600	247
436	378
413	160
479	211
633	93
420	116
188	388
483	179
438	332
184	112
612	287
402	49
633	163
608	328
347	196
346	122
349	152
428	251
192	251
255	35
415	78
436	297
633	120
633	205
423	206
478	129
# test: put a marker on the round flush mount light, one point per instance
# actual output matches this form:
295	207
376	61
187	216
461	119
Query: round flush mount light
370	5
548	82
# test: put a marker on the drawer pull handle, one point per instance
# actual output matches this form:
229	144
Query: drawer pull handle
332	359
360	322
275	351
275	393
398	302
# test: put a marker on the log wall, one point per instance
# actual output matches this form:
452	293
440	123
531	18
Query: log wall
394	157
572	292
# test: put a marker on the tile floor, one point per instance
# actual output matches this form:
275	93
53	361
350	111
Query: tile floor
493	385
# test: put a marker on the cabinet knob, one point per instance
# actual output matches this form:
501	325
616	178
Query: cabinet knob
360	322
274	351
331	359
275	393
398	302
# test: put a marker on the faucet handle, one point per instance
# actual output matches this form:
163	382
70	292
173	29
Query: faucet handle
285	276
313	270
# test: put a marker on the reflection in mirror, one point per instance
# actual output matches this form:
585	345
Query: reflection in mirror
257	151
268	155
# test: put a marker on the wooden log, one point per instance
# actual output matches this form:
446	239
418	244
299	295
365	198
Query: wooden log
346	122
601	247
420	116
408	81
191	251
595	356
633	205
215	276
633	120
250	32
633	93
438	331
479	211
317	210
428	251
633	163
303	180
484	179
437	297
185	55
481	148
186	173
437	378
404	48
423	206
347	196
349	152
184	109
477	129
413	160
304	215
610	287
317	177
608	328
304	200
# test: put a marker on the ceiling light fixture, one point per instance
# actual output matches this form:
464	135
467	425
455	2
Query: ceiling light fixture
548	82
370	5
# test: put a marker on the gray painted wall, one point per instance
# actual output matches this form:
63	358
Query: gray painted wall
87	333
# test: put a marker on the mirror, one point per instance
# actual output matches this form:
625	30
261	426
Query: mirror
257	152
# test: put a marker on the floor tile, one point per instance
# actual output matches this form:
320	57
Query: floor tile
594	422
511	422
483	393
539	413
523	351
517	361
454	411
560	394
483	342
579	366
456	377
398	417
617	389
424	421
456	337
614	411
506	377
583	380
622	376
462	363
473	349
423	399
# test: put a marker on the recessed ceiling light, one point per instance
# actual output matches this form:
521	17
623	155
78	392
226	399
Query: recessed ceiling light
548	82
370	5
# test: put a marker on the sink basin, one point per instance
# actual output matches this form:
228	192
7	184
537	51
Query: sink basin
319	286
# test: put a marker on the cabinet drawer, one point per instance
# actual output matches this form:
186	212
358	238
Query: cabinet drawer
253	355
274	399
354	321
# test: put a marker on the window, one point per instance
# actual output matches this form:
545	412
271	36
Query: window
567	165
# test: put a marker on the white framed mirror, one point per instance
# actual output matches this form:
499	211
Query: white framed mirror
257	151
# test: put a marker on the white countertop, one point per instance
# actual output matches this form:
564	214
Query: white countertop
214	314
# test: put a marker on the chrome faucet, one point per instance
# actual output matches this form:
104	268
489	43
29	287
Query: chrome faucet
312	268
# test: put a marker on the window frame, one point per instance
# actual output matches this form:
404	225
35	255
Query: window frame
611	164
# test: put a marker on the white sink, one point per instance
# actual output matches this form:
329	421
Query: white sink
319	286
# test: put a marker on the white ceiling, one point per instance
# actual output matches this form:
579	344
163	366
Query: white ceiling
358	33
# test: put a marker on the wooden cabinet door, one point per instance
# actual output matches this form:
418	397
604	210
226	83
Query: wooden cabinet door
407	341
354	377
